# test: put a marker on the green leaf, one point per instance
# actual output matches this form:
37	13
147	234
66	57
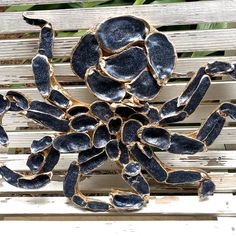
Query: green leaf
139	2
208	26
168	1
18	8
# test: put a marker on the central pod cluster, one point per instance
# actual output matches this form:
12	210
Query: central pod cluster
124	58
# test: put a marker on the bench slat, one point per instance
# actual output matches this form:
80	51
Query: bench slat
217	205
103	183
22	74
184	41
157	14
24	138
211	160
41	2
217	227
225	91
11	121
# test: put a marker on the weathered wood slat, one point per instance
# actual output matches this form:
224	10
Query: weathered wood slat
12	120
184	41
40	2
216	227
211	160
22	74
158	15
103	183
225	91
217	205
24	138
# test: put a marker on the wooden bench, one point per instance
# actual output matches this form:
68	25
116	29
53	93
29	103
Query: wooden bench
167	202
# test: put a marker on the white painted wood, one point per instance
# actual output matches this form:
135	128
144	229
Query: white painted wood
13	120
158	14
40	2
24	138
225	91
22	74
103	183
211	160
225	226
217	205
184	41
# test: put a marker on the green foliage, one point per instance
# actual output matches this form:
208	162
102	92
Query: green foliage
208	26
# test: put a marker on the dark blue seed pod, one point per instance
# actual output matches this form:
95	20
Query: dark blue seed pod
104	87
97	206
228	109
49	121
46	108
114	125
93	163
82	123
133	168
151	165
183	176
126	65
157	137
3	137
51	160
112	149
42	144
72	142
58	98
127	201
35	182
10	176
88	154
70	180
78	200
85	55
101	136
129	131
219	67
35	162
101	110
119	32
181	144
207	187
4	104
124	153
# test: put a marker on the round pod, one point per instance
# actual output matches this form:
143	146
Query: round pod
157	137
4	104
112	149
101	136
73	142
161	55
82	123
129	131
126	65
144	87
132	169
101	110
76	110
114	125
118	32
104	87
85	54
35	162
40	145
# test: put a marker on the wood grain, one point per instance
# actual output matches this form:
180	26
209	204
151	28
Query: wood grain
225	91
217	227
157	15
24	138
40	2
184	41
103	183
210	161
217	205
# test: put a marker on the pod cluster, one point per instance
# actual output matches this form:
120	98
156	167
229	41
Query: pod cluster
124	57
